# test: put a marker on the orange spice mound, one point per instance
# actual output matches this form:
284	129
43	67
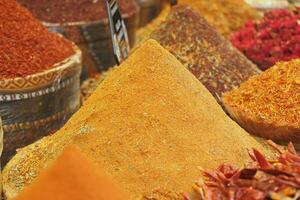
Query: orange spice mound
26	46
271	98
74	177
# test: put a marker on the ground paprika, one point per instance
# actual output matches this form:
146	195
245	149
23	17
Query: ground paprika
26	46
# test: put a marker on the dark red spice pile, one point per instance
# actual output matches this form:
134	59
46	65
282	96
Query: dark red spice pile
26	47
262	180
275	38
59	11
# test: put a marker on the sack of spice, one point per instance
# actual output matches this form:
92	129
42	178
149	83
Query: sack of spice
85	22
268	105
226	16
39	78
275	38
209	56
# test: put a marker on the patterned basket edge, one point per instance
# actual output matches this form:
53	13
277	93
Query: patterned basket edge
59	71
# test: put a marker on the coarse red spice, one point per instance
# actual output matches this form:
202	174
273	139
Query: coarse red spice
26	46
275	38
59	11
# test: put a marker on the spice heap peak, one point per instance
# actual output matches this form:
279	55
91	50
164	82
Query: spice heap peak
26	47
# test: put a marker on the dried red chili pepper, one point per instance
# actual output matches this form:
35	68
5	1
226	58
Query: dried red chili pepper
26	47
275	38
262	180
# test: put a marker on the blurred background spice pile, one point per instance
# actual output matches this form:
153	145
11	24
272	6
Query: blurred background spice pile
226	15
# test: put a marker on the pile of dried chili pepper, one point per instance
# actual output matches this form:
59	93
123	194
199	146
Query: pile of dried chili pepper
59	11
275	38
261	180
26	46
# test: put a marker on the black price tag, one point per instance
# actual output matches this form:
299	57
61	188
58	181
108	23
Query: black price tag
118	30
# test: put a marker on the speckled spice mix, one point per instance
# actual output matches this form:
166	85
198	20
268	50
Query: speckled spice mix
275	38
209	56
225	15
271	98
58	11
26	47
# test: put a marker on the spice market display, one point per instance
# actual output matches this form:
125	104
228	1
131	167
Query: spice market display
206	105
274	38
148	111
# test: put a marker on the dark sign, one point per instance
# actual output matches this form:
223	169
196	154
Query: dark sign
118	30
173	2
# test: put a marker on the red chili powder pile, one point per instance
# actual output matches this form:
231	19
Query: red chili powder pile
275	38
59	11
26	47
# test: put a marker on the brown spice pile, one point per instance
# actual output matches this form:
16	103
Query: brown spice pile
226	15
26	47
209	56
59	11
150	124
272	97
